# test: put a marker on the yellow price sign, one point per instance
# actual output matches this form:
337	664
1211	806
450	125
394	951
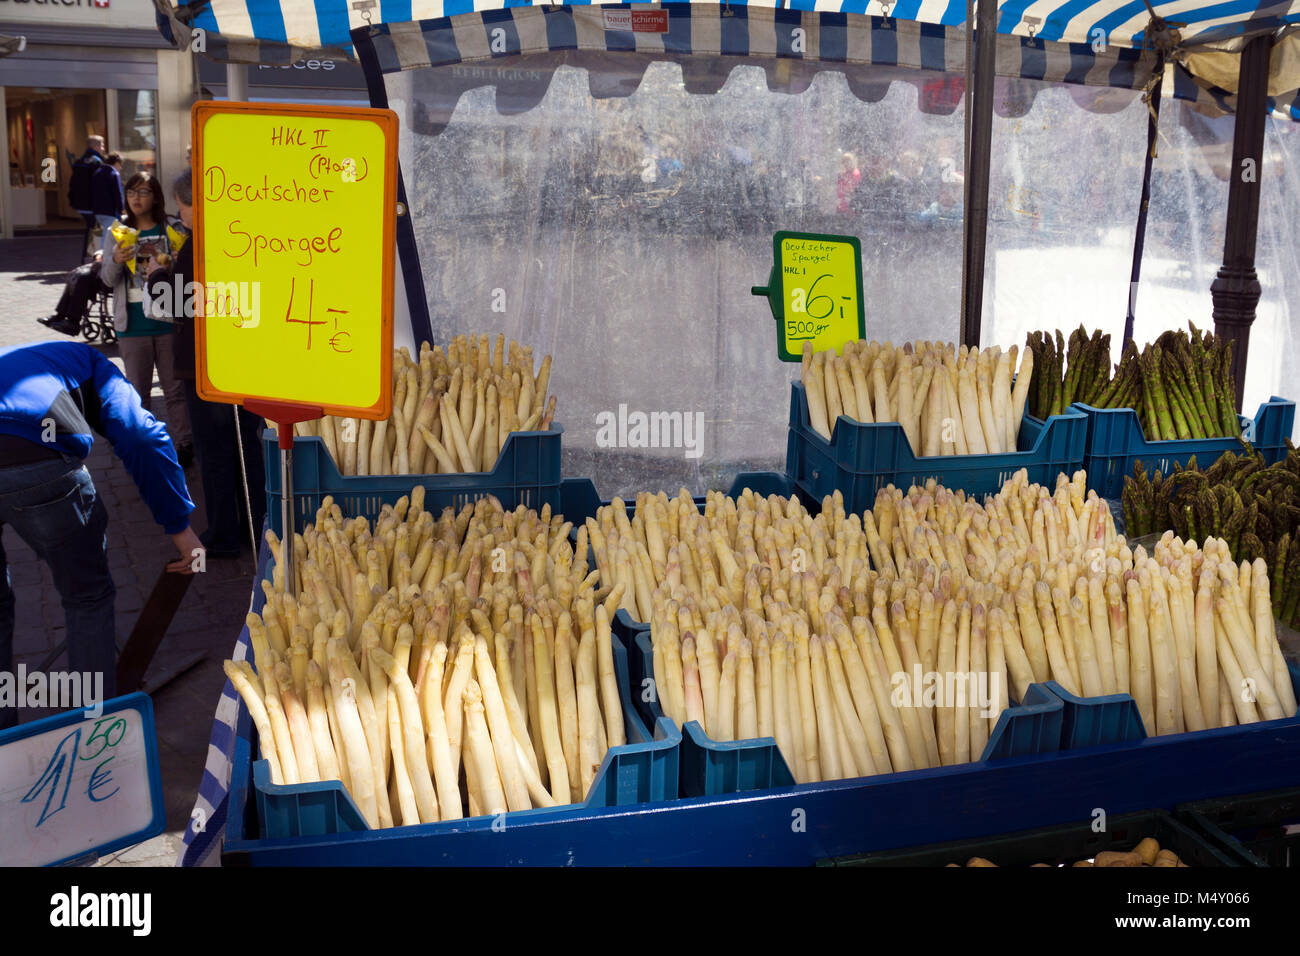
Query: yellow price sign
815	292
294	234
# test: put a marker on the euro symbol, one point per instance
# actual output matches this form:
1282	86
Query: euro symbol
335	344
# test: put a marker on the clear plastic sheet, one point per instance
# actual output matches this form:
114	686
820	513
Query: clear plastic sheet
623	234
614	210
1063	203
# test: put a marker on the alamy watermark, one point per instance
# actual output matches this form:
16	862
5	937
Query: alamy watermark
636	429
949	689
233	300
64	690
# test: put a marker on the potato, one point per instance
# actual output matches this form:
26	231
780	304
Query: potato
979	861
1115	858
1167	858
1147	849
1084	863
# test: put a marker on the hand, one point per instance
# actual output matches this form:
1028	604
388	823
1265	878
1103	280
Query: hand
187	542
120	255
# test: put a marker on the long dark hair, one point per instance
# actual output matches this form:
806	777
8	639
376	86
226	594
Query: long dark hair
159	210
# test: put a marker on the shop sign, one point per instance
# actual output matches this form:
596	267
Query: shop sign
299	203
636	21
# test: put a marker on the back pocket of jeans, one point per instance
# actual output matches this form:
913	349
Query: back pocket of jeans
62	512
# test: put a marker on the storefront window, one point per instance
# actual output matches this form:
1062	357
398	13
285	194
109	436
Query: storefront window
48	124
137	131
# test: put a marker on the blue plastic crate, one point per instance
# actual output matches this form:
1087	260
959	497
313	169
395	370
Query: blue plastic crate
841	817
1116	443
1113	720
645	770
860	460
527	473
713	767
1095	721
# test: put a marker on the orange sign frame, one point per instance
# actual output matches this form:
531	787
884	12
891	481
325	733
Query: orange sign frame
200	115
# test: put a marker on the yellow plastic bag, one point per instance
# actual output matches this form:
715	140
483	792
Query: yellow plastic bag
126	238
176	238
124	235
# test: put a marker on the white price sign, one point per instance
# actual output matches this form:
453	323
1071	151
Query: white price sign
76	785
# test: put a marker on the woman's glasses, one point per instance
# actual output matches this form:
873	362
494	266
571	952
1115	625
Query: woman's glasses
139	193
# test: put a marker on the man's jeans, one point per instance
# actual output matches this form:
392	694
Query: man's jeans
53	507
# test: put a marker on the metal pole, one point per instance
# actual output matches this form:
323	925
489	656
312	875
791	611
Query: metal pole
236	81
1140	234
6	201
1235	290
965	150
286	514
977	171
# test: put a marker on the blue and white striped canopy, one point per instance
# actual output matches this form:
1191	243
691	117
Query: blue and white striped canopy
314	24
1092	42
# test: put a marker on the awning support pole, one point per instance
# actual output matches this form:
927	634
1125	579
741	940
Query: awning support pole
1140	233
979	146
1236	290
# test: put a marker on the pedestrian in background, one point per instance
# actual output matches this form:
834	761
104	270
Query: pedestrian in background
81	195
106	191
847	184
52	394
216	442
145	343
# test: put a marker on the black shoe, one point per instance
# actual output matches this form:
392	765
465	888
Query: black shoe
218	554
185	455
66	326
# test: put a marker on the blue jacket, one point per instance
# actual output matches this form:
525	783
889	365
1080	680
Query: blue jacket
76	387
106	192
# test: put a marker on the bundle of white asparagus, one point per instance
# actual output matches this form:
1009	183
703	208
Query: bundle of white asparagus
762	625
960	401
910	665
1186	632
452	411
431	665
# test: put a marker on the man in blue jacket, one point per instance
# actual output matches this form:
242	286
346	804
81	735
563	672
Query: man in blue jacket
106	191
51	395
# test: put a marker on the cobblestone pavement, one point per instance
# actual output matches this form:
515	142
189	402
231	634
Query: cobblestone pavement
210	616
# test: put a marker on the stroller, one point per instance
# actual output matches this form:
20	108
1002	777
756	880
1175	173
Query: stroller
84	308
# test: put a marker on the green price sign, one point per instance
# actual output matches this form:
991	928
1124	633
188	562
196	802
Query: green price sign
815	292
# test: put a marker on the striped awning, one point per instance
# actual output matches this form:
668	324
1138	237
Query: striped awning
1091	42
314	24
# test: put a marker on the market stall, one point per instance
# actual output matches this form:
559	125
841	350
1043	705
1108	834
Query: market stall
605	189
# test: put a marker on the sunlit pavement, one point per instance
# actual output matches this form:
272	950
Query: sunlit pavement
209	618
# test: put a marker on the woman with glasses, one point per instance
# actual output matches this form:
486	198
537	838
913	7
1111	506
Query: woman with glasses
146	340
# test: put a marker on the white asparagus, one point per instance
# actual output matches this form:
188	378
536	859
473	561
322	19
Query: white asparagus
360	766
502	735
439	747
252	697
478	753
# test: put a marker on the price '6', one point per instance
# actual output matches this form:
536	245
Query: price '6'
805	302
